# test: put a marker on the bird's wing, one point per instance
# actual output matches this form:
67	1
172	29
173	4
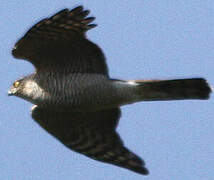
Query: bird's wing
92	134
59	42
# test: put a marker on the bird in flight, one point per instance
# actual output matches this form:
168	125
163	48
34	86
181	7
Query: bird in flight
75	99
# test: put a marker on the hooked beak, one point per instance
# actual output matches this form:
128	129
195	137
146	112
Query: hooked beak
10	92
14	51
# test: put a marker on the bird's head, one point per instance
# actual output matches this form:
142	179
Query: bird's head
27	89
17	88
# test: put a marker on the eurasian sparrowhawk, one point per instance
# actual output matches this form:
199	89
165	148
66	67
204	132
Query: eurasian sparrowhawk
74	98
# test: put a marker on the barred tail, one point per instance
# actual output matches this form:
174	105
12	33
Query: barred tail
177	89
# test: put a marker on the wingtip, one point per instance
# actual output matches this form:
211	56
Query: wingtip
135	164
141	170
77	9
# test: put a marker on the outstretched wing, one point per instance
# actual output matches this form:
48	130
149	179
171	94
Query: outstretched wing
59	42
92	134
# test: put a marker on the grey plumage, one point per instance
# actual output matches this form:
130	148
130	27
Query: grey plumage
75	99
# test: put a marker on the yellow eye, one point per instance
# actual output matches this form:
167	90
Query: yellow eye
16	84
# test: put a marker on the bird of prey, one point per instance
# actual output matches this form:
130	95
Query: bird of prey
75	99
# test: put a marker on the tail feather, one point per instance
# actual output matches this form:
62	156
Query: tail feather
177	89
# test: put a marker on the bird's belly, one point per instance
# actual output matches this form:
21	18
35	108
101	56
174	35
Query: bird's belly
87	99
84	92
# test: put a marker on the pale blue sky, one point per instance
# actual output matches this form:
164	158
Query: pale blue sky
141	40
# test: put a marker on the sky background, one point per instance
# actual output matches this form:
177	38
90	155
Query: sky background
141	40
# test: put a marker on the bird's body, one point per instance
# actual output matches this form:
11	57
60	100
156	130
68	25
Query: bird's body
74	97
79	92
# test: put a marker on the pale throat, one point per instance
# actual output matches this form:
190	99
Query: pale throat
34	93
